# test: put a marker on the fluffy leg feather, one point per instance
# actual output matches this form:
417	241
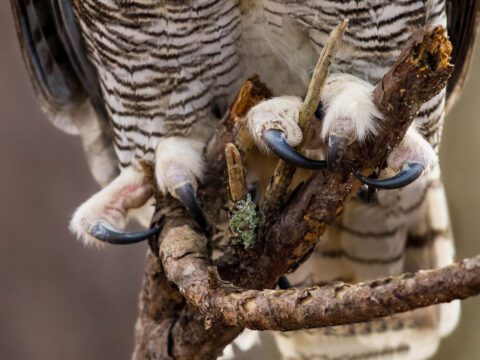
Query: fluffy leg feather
280	113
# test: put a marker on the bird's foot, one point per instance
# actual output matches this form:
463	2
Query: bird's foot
274	127
103	218
350	115
412	158
178	165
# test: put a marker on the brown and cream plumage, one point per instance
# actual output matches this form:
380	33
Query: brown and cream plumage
146	80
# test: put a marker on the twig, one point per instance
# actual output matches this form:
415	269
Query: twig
320	74
283	173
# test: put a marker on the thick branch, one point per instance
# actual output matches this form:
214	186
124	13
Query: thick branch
187	264
420	73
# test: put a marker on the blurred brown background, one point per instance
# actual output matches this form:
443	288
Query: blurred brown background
59	300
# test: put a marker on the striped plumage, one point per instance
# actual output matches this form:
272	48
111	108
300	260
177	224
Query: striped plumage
167	69
162	67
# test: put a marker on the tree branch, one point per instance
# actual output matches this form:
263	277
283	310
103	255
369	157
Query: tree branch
187	263
167	328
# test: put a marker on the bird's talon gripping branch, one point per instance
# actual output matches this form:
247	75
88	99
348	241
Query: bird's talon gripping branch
409	173
414	157
274	126
187	196
277	143
178	165
105	233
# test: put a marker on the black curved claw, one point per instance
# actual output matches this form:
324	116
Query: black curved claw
409	173
186	194
254	191
103	233
284	283
275	140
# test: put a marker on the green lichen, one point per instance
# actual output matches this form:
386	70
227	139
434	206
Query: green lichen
244	222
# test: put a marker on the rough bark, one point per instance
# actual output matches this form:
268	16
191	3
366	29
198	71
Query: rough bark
187	263
167	328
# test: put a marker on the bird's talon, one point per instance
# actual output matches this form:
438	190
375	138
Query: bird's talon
284	283
409	173
186	194
106	234
335	150
276	142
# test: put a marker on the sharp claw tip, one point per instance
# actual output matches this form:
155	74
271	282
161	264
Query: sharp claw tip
106	234
186	195
409	173
275	140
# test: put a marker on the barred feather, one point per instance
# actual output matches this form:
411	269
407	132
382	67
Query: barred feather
162	66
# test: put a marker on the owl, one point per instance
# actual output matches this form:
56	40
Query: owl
146	81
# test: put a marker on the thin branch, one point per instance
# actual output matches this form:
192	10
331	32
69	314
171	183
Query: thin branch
283	173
